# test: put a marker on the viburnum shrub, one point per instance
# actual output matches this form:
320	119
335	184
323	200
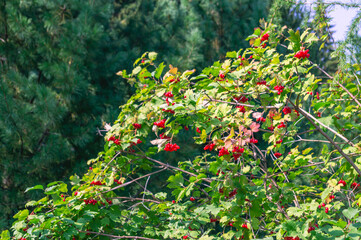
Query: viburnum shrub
269	168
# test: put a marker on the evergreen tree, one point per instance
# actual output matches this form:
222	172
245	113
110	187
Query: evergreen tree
57	84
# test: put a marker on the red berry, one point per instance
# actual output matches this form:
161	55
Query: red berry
192	199
286	110
244	225
168	94
198	130
173	201
221	75
137	125
171	147
277	154
326	210
223	152
343	182
185	237
264	37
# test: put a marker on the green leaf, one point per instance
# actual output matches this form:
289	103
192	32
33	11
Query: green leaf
159	70
5	235
22	215
176	181
350	213
34	188
152	55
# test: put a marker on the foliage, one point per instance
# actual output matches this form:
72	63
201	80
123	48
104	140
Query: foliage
58	60
253	180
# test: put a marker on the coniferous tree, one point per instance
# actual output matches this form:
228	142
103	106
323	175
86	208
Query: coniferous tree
57	84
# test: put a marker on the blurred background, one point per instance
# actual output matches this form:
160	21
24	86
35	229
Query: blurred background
58	61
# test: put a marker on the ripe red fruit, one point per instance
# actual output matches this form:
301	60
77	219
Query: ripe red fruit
223	152
241	109
160	123
198	130
286	110
241	99
186	128
281	125
137	125
332	197
264	37
261	119
244	225
302	54
318	114
277	154
317	96
230	224
173	201
168	94
355	185
185	237
221	75
213	220
343	182
192	199
171	147
209	147
310	229
253	140
326	210
279	89
75	193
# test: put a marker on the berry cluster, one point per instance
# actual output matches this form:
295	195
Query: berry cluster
168	94
279	89
209	147
117	181
223	151
233	193
219	171
241	109
198	130
98	183
115	140
265	37
168	111
281	125
163	136
286	110
221	75
160	123
110	202
237	152
90	201
244	225
355	185
171	147
262	83
261	119
213	220
137	125
253	140
292	238
175	80
278	155
302	54
242	99
343	182
312	228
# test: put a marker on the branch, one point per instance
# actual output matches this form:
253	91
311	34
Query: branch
127	183
118	237
338	83
310	118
